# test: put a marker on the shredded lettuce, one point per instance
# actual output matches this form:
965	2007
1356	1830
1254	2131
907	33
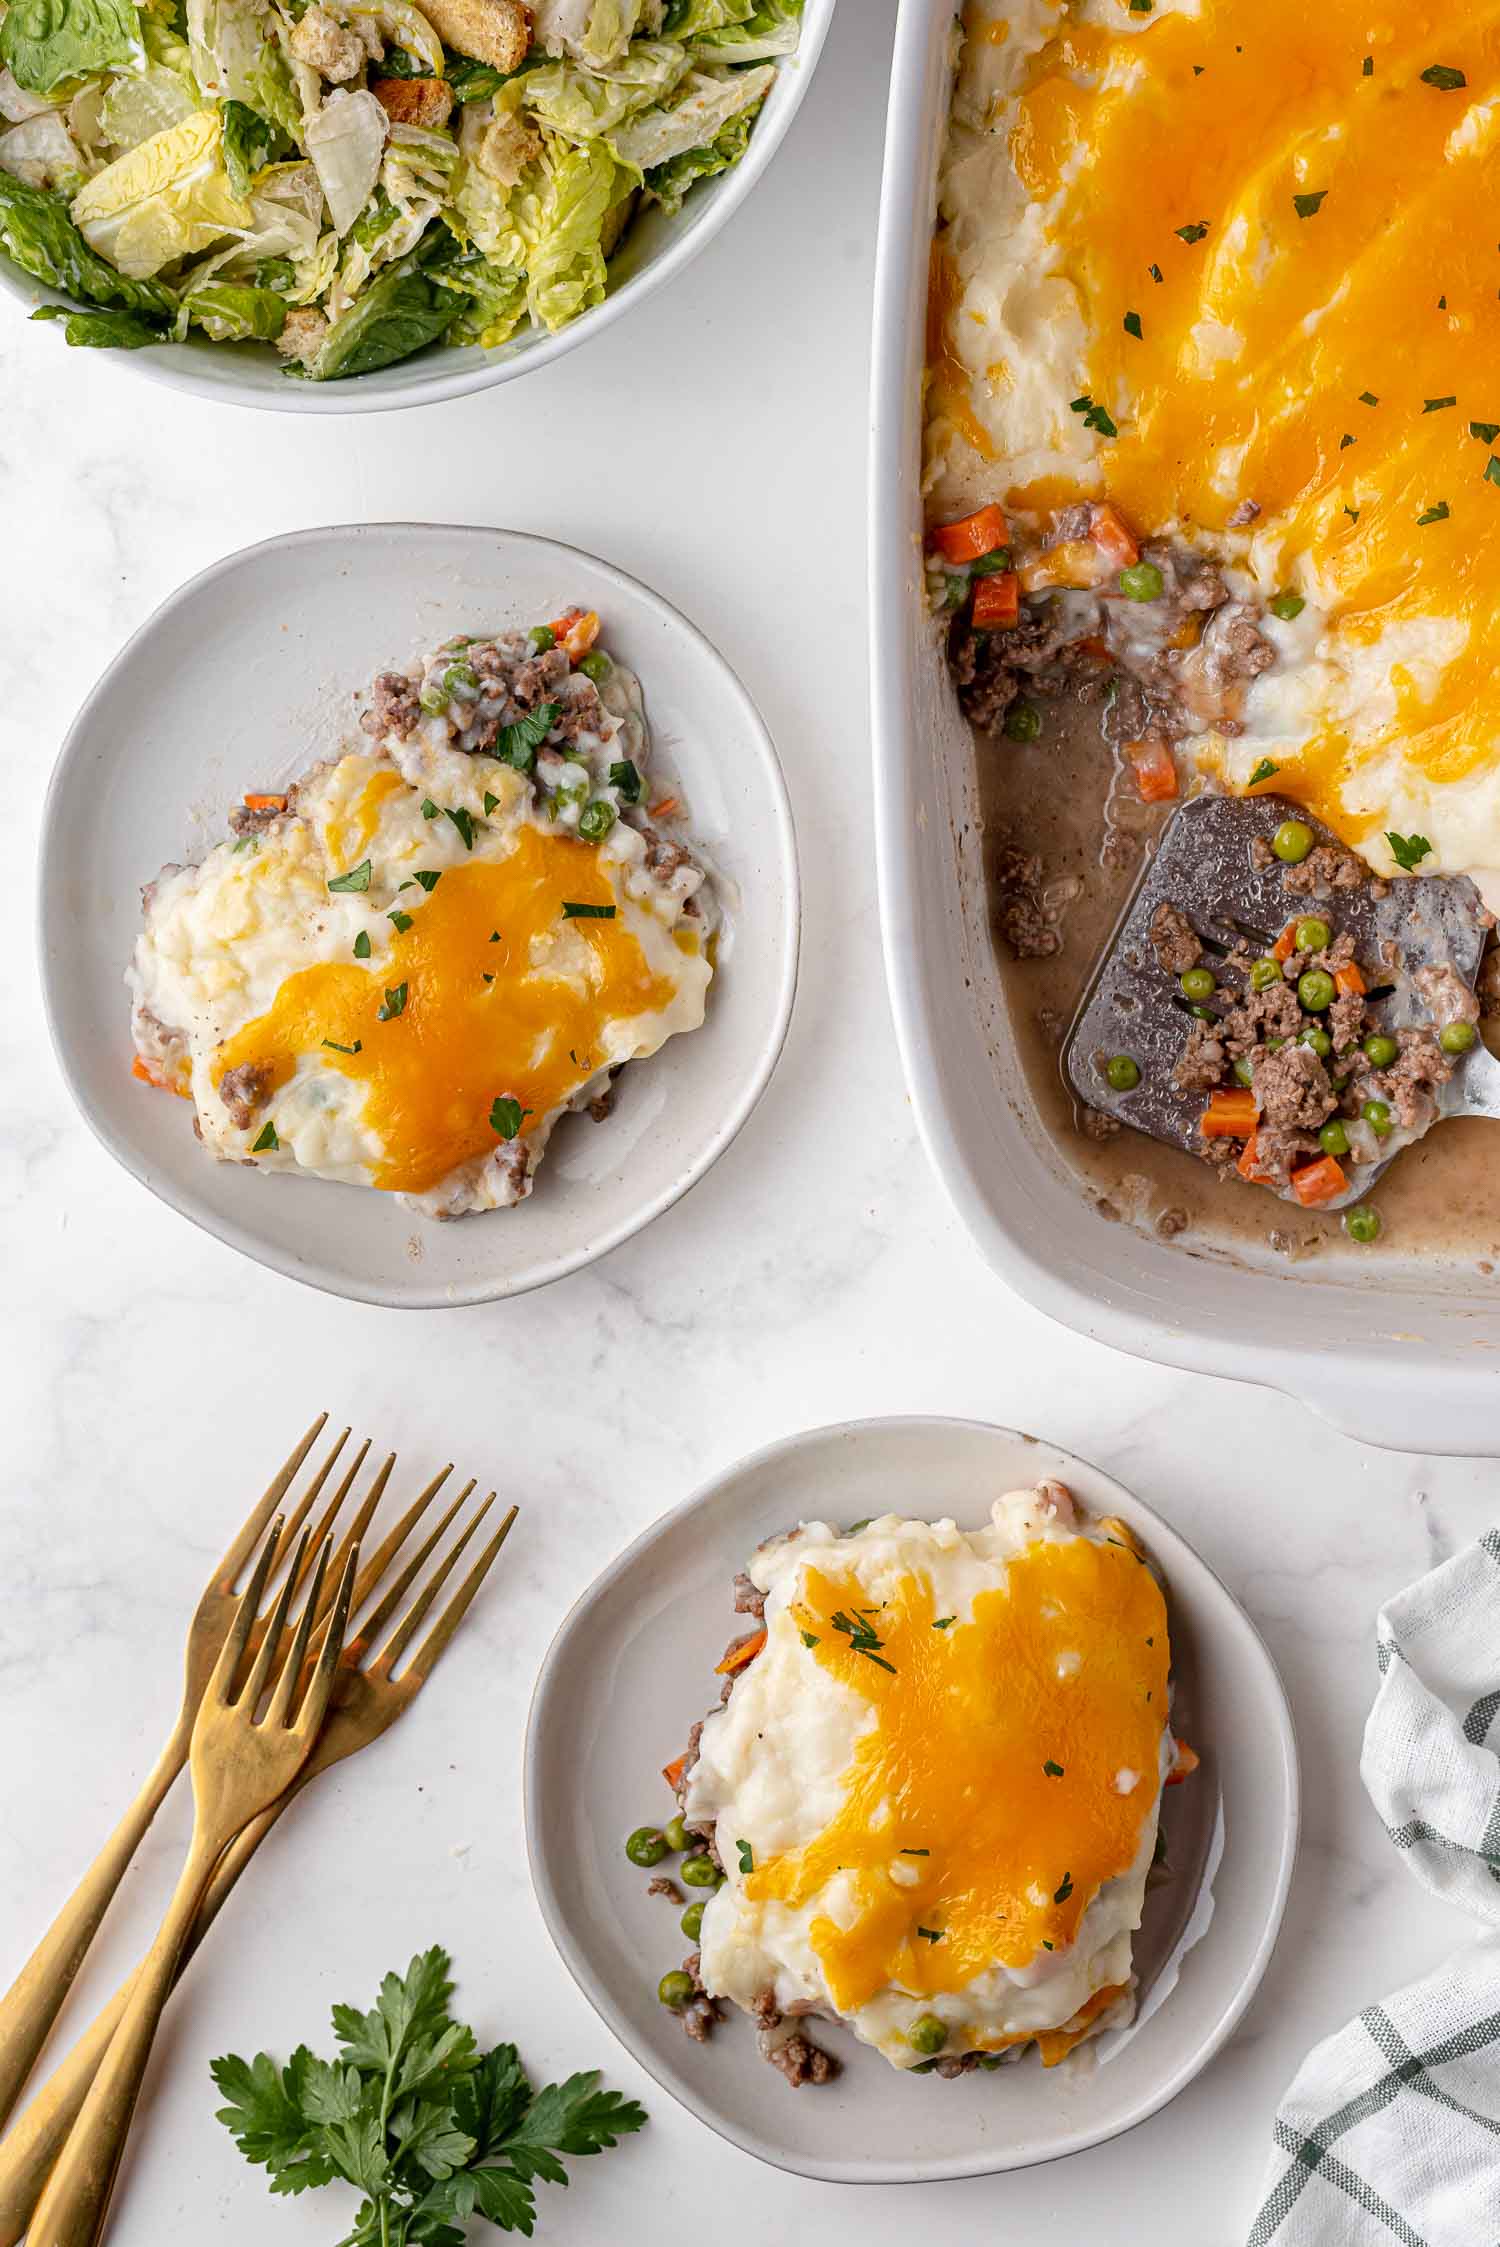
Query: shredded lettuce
595	31
706	102
143	102
772	30
43	151
226	39
668	183
46	42
563	225
396	316
586	106
346	141
250	142
39	235
162	201
235	312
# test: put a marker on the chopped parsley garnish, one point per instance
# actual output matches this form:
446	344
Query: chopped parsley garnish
747	1856
1046	1946
944	1622
507	1116
930	1934
1307	206
486	979
1367	67
1438	514
429	881
1408	850
358	877
811	1638
1061	1895
1265	770
1444	77
400	921
1154	271
862	1640
572	912
1133	326
362	945
1053	1770
1141	7
267	1142
1345	441
518	744
1492	470
1485	431
490	803
395	1002
626	781
1352	513
429	808
916	1852
463	821
1094	417
1368	398
1436	405
357	1047
1193	233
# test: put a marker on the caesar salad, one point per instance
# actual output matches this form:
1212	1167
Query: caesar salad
350	180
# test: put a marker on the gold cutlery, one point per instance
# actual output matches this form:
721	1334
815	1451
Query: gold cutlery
240	1763
367	1699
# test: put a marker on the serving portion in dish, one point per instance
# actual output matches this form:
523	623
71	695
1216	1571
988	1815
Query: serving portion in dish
931	1793
403	970
935	1840
352	183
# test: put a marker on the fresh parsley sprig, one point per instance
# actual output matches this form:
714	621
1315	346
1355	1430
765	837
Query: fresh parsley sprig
432	2131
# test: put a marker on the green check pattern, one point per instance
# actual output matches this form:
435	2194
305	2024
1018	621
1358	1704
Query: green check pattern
1391	2130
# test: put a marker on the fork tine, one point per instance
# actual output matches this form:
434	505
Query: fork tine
324	1528
309	1497
255	1684
291	1668
354	1536
315	1701
221	1683
391	1544
458	1607
371	1628
401	1637
249	1537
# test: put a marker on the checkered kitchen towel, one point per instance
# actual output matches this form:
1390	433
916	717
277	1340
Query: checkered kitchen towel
1391	2130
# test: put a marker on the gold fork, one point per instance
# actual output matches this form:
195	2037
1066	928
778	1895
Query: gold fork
35	1998
367	1699
240	1764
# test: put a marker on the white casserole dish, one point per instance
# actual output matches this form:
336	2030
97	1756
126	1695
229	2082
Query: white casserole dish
1388	1350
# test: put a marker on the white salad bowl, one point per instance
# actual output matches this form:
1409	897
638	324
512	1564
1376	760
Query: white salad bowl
161	751
1393	1349
631	1668
656	247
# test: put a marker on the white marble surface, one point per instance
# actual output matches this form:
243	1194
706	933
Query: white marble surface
714	445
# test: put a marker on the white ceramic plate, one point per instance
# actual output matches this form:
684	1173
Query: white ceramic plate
246	676
630	1669
655	248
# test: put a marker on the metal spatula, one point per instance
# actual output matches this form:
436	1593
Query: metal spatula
1203	866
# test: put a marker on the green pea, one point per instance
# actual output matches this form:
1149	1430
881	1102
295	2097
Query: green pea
1312	934
460	675
1362	1224
434	700
595	820
1456	1037
955	590
927	2034
1287	605
1244	1070
1333	1139
1292	841
991	564
675	1989
1263	973
692	1919
1198	983
1143	581
1319	1040
542	637
1123	1073
1023	722
646	1847
700	1872
596	666
1377	1115
1203	1013
1274	1045
674	1834
1379	1050
1316	990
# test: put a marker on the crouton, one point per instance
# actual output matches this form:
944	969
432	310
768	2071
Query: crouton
336	54
493	31
303	332
414	101
506	146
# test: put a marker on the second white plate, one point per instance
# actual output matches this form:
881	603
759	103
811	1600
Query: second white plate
632	1666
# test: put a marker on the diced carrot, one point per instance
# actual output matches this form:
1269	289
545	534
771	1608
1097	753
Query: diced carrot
1229	1115
744	1650
1184	1766
1286	943
1155	773
575	632
1349	982
1316	1184
972	538
138	1068
1248	1165
664	807
265	803
672	1772
1112	535
997	601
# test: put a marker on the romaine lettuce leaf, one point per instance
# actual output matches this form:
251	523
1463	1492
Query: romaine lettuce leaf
772	30
669	182
491	299
227	40
271	89
690	19
142	102
585	105
563	227
161	201
705	105
396	316
45	42
250	141
346	141
37	233
114	331
43	151
595	31
235	312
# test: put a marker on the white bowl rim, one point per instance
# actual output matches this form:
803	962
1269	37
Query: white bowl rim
547	1270
170	365
1167	1543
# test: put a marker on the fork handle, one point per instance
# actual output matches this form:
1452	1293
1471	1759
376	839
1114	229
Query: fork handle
35	1997
76	2197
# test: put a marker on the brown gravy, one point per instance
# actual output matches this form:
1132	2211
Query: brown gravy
1064	797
